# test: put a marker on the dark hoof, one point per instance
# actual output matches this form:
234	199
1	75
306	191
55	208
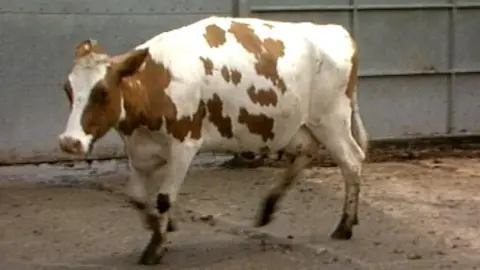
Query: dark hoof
152	255
342	234
148	259
267	210
154	251
264	220
343	231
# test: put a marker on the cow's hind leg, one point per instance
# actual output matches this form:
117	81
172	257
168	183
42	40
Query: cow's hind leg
334	132
269	204
301	148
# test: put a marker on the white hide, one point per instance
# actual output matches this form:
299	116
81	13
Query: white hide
315	69
86	73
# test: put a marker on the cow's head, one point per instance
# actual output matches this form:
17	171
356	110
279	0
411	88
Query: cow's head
94	91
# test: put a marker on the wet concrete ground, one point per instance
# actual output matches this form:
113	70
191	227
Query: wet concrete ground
413	215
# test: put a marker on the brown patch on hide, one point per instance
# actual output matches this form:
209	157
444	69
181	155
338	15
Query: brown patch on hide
259	124
215	110
262	97
266	52
214	35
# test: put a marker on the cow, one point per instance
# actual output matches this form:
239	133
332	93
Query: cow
220	84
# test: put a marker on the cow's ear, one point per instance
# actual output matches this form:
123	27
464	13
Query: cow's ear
131	63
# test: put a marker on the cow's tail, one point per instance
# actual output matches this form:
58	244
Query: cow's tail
358	129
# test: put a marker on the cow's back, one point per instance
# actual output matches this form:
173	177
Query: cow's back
254	77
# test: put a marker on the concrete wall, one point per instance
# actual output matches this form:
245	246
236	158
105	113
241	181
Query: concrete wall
419	60
37	41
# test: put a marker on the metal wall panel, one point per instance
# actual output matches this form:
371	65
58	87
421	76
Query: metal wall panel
297	3
116	7
37	44
466	104
402	107
467	38
466	64
401	2
339	17
468	2
419	60
404	41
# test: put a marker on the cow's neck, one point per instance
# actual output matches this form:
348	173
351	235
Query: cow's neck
144	99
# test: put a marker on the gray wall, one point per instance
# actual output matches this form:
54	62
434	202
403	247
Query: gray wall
36	46
419	66
419	60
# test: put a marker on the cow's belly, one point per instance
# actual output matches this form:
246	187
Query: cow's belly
254	128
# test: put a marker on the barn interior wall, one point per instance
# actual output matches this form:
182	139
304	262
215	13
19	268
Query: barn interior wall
419	60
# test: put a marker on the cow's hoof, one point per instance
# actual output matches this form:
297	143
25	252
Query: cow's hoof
154	251
343	231
152	256
267	210
150	260
341	234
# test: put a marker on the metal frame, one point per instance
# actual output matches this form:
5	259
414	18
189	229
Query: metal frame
453	6
452	71
353	6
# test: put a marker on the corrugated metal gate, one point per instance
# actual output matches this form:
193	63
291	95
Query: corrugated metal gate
419	60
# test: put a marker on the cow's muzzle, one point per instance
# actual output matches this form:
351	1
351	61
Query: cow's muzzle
71	145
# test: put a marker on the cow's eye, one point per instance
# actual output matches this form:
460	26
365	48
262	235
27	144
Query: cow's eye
99	94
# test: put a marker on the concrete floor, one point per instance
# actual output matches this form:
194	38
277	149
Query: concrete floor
413	215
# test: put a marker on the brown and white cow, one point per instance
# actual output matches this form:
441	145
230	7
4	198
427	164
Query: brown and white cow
221	85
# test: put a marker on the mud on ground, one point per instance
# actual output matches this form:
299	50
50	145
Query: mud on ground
414	214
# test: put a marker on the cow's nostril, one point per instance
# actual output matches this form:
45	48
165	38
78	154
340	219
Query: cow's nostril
70	145
77	145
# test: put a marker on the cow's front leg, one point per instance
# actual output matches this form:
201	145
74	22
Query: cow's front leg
155	249
179	160
143	180
139	189
139	185
144	174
